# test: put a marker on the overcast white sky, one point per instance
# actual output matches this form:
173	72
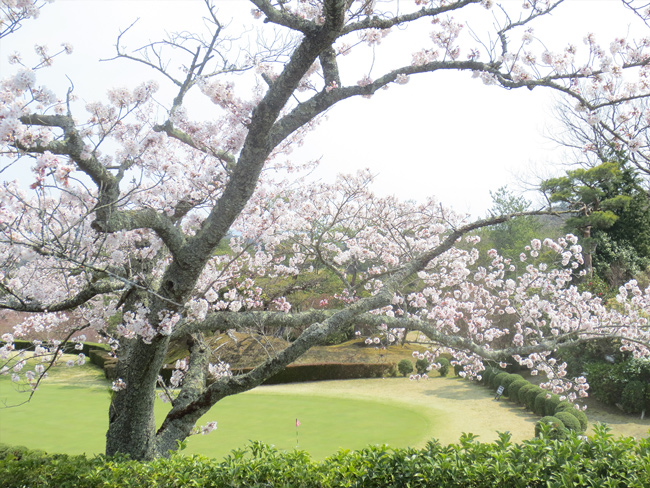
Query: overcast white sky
443	134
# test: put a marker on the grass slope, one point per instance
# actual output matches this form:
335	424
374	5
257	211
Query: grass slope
69	414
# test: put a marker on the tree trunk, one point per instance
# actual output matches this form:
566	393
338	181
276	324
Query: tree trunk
132	427
588	254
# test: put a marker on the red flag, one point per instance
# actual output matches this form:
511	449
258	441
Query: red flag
297	423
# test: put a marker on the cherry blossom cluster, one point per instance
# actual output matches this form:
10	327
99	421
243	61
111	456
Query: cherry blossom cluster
205	429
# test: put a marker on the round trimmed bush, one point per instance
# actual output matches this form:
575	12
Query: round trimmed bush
487	375
421	366
497	380
513	389
521	394
569	421
444	366
579	414
556	430
539	407
530	397
551	404
458	368
511	378
405	366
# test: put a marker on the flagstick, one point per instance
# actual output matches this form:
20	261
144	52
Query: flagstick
297	443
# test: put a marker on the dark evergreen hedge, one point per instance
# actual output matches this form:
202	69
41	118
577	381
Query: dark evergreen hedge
296	373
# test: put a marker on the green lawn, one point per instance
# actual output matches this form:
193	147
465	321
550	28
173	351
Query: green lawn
69	414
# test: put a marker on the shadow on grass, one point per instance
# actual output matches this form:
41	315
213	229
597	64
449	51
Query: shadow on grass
459	390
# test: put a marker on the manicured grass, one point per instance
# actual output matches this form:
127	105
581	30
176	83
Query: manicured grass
326	424
66	418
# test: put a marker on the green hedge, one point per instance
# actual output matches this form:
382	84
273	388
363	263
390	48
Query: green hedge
488	374
539	406
625	384
497	380
555	428
513	389
68	348
523	391
531	395
535	399
296	373
510	379
540	462
550	405
578	414
569	421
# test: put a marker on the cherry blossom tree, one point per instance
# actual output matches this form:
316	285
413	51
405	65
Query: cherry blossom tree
131	206
14	12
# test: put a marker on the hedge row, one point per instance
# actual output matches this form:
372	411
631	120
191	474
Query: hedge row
98	354
296	373
535	399
540	462
68	348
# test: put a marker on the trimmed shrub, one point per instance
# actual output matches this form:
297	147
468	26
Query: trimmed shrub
458	368
513	389
555	428
405	367
296	373
569	421
551	404
497	380
511	378
421	366
530	397
444	366
523	391
633	398
539	406
488	374
582	418
578	414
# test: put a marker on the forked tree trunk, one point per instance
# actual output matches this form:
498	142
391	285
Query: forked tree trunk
132	427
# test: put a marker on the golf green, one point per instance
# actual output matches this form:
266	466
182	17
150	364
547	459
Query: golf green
70	419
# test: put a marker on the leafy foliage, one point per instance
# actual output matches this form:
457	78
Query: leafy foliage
405	366
578	414
634	397
444	366
551	427
612	213
569	421
511	236
421	366
540	462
